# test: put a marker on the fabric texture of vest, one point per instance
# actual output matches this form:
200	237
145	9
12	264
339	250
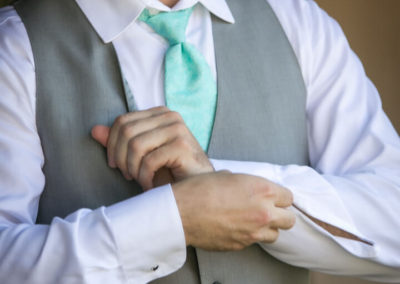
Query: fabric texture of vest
260	117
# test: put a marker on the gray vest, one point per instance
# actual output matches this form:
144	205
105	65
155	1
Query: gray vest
260	117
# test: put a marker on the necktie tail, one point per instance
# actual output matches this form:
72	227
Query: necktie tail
190	87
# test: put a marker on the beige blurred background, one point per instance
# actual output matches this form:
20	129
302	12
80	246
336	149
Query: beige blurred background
373	30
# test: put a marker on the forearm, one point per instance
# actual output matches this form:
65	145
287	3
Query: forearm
347	203
109	244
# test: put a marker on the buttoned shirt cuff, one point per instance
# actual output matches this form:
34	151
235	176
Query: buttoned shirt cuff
313	195
149	234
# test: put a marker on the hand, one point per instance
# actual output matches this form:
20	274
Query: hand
223	211
140	143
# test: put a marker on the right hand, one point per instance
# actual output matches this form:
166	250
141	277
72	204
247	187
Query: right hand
153	147
224	211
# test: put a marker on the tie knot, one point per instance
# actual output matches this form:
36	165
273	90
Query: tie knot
169	25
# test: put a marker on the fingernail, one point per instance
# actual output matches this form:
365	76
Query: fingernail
127	176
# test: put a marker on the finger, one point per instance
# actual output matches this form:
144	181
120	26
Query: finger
282	219
142	145
283	196
268	235
122	120
161	157
100	133
133	129
163	176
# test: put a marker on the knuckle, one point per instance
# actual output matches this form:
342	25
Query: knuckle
134	145
181	143
177	116
178	128
265	189
121	119
270	191
174	115
126	131
263	216
181	127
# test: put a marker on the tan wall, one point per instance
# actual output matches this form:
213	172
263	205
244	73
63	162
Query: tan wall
373	30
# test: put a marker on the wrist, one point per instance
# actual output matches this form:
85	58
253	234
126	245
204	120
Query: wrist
179	191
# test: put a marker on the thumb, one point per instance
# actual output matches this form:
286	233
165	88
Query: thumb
100	133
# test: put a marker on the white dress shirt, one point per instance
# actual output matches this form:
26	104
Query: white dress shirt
354	181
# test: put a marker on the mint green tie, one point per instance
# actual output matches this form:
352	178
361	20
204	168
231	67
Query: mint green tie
190	87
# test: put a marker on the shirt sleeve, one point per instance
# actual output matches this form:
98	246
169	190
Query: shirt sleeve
354	179
134	241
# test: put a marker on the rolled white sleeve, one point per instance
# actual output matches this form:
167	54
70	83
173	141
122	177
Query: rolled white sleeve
354	179
134	241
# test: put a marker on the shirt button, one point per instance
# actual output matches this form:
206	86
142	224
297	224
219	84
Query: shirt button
154	268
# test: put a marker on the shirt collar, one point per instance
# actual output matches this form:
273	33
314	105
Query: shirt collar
111	17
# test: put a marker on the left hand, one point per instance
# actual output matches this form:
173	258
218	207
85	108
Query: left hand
140	143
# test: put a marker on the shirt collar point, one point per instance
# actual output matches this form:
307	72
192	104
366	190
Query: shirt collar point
107	40
110	23
113	35
227	18
230	20
219	9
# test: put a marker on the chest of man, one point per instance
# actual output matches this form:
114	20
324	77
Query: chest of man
260	116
